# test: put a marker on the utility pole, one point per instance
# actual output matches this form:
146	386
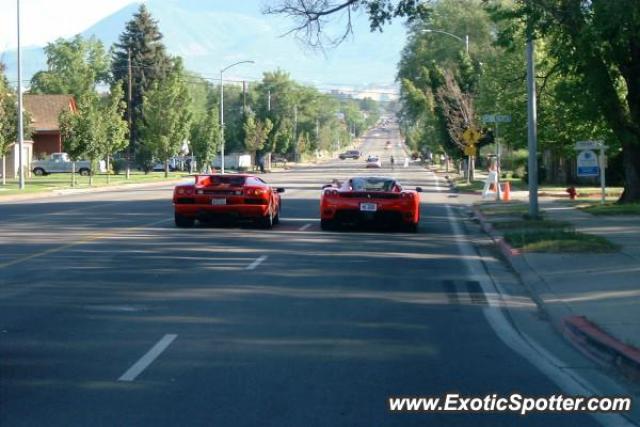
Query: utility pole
295	131
269	100
532	134
20	124
244	97
222	122
129	102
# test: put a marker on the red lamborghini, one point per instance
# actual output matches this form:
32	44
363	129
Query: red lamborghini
369	200
211	197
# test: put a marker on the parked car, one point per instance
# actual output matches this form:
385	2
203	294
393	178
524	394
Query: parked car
61	163
375	200
351	154
227	197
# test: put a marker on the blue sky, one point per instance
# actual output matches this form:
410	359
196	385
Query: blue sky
237	29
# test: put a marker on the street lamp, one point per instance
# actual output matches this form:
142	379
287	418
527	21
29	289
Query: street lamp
222	107
20	125
465	40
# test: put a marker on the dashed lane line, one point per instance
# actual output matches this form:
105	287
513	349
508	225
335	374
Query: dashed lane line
256	263
143	363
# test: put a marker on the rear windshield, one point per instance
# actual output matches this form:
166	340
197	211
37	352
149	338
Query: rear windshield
372	184
226	179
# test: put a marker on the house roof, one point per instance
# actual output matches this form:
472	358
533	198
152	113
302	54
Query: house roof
45	109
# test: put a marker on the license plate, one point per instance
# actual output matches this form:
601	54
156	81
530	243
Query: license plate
218	202
368	207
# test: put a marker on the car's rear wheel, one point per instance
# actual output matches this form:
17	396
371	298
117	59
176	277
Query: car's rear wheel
39	172
84	172
183	221
266	221
327	224
412	227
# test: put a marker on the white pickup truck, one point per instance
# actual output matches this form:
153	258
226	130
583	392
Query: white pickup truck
60	163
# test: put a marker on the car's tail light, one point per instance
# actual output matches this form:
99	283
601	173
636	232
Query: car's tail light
255	192
332	192
184	190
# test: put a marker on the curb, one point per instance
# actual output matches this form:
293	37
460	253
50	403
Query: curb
601	347
504	247
586	336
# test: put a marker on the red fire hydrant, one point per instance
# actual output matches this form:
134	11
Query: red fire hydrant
572	192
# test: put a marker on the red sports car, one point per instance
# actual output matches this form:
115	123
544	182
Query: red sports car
369	200
217	196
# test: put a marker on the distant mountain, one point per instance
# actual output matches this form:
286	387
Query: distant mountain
210	35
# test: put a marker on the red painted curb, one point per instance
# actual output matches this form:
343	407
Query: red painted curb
601	347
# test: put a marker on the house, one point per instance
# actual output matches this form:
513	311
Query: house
44	111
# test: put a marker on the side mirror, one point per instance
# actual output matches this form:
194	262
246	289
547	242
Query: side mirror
280	190
419	189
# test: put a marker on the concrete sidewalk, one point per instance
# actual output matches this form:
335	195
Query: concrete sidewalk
592	299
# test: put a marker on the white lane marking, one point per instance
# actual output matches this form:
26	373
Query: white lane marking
146	360
566	378
256	263
304	227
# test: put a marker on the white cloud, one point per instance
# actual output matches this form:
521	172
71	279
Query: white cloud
46	20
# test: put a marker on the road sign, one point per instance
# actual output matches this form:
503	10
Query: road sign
496	118
589	145
489	118
588	164
471	136
470	150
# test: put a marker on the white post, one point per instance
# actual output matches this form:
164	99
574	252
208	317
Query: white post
222	121
498	193
602	175
20	125
532	123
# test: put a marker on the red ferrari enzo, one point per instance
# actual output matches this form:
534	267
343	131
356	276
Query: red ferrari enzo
369	200
218	197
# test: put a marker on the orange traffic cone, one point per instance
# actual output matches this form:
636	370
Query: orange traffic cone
506	191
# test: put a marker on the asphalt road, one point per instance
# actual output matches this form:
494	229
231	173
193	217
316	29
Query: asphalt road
111	316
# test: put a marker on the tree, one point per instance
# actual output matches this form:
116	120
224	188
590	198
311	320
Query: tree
150	64
595	42
74	67
113	136
310	16
206	138
167	117
8	120
79	130
256	133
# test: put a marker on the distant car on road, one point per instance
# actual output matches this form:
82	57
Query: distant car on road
373	162
61	163
376	200
227	197
351	154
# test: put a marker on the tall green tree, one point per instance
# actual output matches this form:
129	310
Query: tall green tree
595	43
206	138
114	132
8	119
256	133
150	64
167	117
74	66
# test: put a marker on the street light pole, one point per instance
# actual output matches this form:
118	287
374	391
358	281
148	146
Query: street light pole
465	40
20	124
532	132
222	109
